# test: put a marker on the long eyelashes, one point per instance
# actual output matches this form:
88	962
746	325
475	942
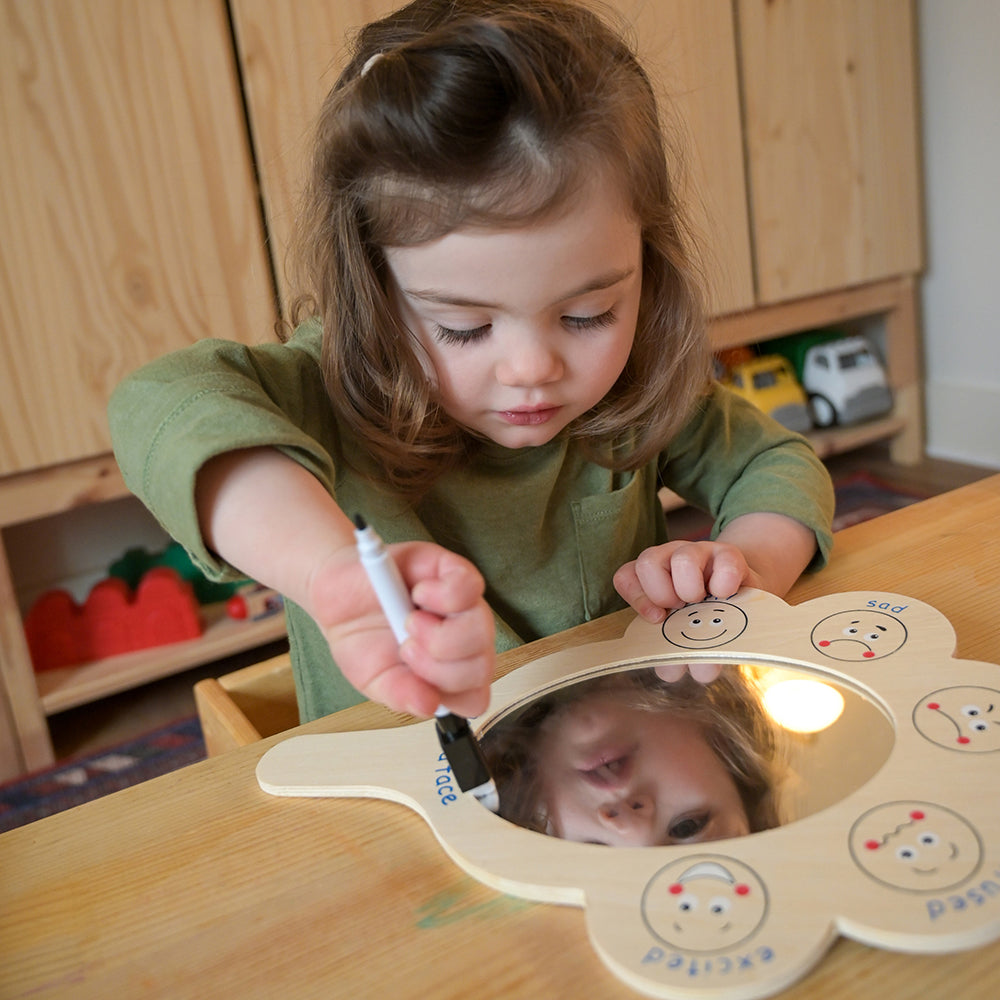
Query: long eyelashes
590	322
448	335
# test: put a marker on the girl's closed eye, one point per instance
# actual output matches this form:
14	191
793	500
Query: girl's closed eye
452	335
598	322
448	335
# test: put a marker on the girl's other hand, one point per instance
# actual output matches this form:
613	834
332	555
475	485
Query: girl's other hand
669	576
703	673
448	657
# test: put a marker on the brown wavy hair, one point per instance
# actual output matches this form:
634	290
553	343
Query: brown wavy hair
728	711
487	113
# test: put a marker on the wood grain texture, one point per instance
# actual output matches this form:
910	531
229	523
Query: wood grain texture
831	134
129	222
802	881
689	49
24	736
59	488
197	883
292	56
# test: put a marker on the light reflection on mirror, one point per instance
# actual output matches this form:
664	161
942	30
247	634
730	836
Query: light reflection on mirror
632	757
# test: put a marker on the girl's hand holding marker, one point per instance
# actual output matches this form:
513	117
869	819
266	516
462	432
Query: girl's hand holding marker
457	740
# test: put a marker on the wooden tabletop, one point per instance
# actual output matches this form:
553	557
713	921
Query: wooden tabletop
199	884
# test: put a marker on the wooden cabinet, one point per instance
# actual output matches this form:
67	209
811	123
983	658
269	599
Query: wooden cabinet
802	170
129	225
129	222
292	56
792	127
133	138
829	97
689	48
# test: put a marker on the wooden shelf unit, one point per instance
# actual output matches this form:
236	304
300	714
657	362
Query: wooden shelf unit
894	303
748	80
25	743
69	687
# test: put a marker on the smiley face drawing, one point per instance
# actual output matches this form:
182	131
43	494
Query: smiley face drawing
705	903
705	625
961	718
916	846
858	635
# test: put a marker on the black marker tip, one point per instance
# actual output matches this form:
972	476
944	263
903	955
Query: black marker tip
359	522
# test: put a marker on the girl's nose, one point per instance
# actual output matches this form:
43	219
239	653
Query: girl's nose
632	819
529	361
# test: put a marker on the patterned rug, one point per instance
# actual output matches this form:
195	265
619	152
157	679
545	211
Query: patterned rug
859	498
862	496
73	782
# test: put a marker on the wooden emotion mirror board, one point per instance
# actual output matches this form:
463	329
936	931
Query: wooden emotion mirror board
881	823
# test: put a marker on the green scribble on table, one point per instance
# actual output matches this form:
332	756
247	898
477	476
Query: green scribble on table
453	905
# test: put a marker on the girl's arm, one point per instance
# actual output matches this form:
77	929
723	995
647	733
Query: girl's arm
274	521
762	550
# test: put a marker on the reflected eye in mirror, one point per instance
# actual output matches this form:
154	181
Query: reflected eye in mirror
626	758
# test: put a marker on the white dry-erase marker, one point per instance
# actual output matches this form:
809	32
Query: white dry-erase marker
455	735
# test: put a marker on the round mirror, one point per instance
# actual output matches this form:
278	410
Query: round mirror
688	753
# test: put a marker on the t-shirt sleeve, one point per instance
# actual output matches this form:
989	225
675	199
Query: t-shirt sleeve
731	459
176	413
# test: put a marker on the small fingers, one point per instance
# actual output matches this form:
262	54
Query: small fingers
630	588
729	571
703	673
455	655
401	690
672	575
670	672
679	573
442	581
688	570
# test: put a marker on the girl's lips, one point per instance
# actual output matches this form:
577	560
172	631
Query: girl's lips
525	418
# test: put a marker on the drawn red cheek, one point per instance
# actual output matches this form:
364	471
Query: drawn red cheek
917	814
933	706
872	845
742	890
676	889
824	642
963	739
867	653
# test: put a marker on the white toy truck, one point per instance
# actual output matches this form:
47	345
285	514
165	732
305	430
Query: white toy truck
842	376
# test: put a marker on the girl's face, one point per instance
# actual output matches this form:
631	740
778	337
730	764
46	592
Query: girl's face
525	329
628	777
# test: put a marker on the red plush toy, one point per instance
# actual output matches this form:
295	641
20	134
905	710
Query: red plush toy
113	620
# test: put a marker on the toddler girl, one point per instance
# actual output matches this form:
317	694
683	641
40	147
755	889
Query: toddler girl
499	357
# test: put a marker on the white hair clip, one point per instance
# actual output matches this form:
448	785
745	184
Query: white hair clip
370	61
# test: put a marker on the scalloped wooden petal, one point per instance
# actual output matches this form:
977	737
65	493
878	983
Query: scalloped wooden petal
909	861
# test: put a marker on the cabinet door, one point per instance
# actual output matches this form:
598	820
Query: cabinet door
129	220
830	119
689	49
292	55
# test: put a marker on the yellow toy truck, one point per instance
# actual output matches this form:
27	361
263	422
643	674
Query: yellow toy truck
770	384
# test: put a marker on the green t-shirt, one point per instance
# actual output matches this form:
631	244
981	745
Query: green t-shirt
546	527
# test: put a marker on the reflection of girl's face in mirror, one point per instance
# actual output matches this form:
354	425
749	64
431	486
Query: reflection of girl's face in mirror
614	774
629	759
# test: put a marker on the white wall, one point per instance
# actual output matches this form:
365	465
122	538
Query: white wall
960	83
